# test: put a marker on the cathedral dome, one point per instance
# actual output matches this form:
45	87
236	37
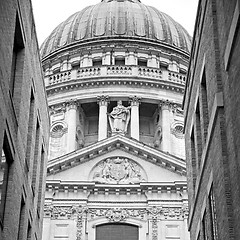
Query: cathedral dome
117	19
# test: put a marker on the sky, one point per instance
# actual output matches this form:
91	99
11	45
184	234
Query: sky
49	14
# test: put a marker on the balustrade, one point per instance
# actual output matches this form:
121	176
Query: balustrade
131	71
149	72
88	72
123	70
60	77
176	77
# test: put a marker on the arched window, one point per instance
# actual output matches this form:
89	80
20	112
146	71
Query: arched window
117	231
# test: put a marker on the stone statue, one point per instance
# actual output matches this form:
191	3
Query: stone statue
119	118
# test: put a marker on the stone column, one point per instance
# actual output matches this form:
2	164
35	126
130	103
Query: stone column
102	123
135	101
72	125
166	132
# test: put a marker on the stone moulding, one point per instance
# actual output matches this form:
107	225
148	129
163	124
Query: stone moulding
143	151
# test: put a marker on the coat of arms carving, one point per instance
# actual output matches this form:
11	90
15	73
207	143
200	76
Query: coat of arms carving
118	170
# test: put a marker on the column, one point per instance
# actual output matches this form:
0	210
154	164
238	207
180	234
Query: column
102	123
72	125
166	133
135	101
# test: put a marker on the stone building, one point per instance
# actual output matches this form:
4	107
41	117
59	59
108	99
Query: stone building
115	77
24	124
211	105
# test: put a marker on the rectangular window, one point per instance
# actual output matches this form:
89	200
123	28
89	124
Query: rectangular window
36	157
97	62
204	226
29	231
193	158
142	62
193	161
30	131
18	57
204	106
213	218
120	61
21	220
198	136
40	188
5	163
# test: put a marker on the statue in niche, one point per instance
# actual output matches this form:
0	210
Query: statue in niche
118	170
119	118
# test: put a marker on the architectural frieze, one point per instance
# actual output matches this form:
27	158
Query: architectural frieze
115	214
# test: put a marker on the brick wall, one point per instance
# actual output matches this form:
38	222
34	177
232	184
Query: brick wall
22	215
216	25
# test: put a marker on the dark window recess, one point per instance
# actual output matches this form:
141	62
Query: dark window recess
36	157
117	232
97	62
21	220
18	56
120	61
142	62
29	231
5	163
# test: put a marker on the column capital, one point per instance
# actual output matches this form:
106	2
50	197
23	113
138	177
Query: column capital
165	104
103	100
134	100
72	104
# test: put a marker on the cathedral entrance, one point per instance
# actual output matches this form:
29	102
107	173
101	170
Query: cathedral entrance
116	231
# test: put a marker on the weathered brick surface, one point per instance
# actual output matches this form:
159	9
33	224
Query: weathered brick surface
222	158
14	120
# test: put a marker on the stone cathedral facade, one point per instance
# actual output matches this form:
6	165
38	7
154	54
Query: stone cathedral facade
115	77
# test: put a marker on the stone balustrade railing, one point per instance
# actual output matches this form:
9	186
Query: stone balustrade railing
149	72
60	77
103	71
176	77
89	72
122	70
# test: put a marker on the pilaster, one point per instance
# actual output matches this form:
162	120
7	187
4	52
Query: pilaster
166	131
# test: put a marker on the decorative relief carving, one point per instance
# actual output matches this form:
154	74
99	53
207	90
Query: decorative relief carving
117	214
59	211
57	109
177	129
154	229
118	170
82	213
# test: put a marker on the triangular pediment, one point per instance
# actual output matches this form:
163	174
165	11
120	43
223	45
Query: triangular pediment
114	146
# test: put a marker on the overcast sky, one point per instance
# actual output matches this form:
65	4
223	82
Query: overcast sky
49	13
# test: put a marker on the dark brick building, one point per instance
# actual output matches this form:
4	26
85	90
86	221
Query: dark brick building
212	126
23	124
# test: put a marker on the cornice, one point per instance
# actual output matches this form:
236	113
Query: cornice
129	145
112	81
